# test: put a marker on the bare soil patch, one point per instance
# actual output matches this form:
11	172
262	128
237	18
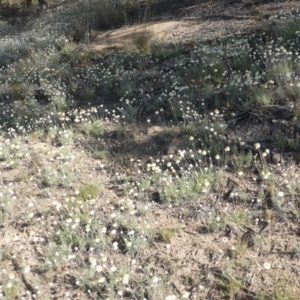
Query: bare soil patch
186	21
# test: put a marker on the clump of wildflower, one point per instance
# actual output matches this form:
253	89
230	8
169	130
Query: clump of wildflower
115	246
113	269
71	256
267	266
93	262
99	268
280	194
128	243
154	279
224	239
170	297
9	285
101	279
69	221
257	146
125	279
30	215
185	294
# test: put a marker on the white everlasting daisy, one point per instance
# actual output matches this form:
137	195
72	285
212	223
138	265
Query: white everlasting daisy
267	266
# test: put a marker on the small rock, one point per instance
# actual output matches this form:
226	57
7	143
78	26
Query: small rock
275	158
39	146
154	129
171	150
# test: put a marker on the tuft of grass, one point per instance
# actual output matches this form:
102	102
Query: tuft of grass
262	97
142	41
165	52
214	224
94	128
151	74
230	286
215	70
66	137
281	142
234	93
241	62
289	31
278	294
88	192
88	93
166	234
6	204
243	160
239	217
279	68
22	176
12	289
60	177
130	115
239	251
102	154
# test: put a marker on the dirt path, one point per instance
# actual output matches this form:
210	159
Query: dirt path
184	21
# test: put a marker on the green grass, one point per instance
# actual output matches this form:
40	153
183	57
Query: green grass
7	203
161	52
95	128
89	191
262	97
